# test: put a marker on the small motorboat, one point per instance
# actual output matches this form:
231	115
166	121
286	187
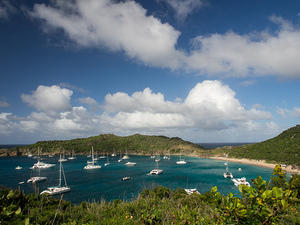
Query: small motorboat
18	168
126	178
130	164
36	179
156	172
239	181
190	191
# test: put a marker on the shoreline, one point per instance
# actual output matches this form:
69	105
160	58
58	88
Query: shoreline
259	163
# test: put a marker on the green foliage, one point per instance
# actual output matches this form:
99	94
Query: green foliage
284	149
263	203
134	144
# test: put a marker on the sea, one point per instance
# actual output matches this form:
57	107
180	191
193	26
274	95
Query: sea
106	183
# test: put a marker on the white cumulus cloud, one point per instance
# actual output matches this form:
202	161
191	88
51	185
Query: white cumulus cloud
209	105
122	26
49	99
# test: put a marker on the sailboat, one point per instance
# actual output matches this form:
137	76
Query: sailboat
72	156
156	171
63	159
59	188
181	161
227	174
120	159
91	164
107	162
41	165
125	156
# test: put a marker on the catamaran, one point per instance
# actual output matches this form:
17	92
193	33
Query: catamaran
181	161
227	174
58	189
91	164
156	171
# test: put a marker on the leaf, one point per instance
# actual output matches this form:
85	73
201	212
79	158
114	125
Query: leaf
26	222
266	194
283	203
10	194
277	192
214	189
18	211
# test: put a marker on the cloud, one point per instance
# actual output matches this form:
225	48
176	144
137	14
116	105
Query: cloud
209	105
209	108
6	9
49	99
3	103
123	26
294	112
91	103
70	86
183	8
241	55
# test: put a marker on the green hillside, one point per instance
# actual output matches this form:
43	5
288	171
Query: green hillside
285	148
109	143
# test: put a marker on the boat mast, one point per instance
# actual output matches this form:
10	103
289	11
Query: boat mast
59	171
93	155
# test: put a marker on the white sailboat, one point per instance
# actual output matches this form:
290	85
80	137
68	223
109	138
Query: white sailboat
59	188
107	161
41	165
181	161
156	171
62	159
125	156
227	174
72	157
91	164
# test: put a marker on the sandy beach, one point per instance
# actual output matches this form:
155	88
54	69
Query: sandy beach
260	163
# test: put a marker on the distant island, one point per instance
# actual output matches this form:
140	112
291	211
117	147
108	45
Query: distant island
109	143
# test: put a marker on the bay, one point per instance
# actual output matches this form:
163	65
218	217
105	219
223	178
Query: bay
106	183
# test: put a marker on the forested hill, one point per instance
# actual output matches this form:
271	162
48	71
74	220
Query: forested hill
109	143
285	148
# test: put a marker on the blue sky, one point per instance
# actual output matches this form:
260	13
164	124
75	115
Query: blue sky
203	70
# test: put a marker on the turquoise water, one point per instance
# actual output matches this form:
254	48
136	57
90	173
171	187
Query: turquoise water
105	183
